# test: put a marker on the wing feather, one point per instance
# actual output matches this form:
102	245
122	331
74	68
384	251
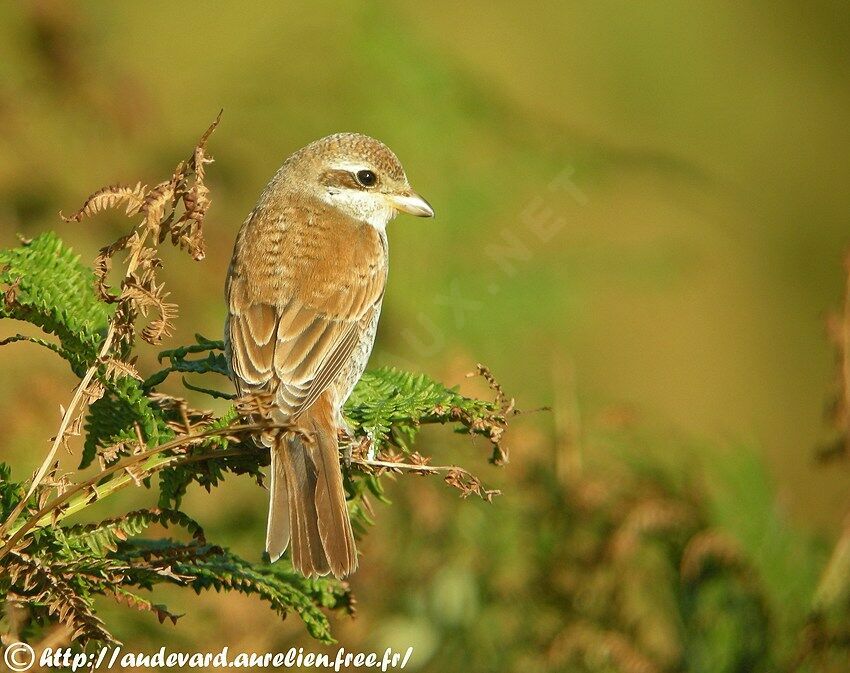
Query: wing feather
297	315
247	358
262	321
331	367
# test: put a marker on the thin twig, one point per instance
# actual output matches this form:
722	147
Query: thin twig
453	475
410	467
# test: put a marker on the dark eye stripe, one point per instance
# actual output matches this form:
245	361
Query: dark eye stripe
339	178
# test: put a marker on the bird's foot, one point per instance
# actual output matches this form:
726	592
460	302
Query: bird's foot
346	443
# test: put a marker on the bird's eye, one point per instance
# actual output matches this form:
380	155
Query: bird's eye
366	178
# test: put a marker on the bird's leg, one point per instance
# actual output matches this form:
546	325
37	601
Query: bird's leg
346	443
345	434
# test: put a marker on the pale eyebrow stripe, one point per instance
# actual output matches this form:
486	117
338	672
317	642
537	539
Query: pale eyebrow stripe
351	166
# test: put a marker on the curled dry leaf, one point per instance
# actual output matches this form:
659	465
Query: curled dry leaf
102	264
111	196
149	296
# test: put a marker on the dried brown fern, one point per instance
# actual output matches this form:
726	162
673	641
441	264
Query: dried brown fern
109	198
139	290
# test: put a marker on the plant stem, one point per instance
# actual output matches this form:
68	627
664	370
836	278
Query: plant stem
41	516
409	467
100	491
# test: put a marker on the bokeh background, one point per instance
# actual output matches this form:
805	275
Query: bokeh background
641	219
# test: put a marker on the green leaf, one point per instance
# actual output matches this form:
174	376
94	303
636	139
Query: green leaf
104	537
214	362
50	288
279	585
11	492
113	418
390	405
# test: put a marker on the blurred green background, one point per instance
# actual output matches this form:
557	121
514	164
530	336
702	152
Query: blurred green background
641	217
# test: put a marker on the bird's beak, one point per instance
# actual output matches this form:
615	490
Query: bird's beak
411	203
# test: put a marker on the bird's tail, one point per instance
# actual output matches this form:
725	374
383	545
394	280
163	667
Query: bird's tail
307	503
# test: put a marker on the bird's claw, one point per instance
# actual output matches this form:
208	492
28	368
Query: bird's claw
346	441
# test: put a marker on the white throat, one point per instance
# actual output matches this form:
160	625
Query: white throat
369	207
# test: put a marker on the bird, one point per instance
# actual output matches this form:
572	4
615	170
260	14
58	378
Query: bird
304	291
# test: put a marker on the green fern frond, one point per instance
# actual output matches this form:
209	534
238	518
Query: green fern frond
137	602
47	286
390	405
206	568
113	419
281	587
214	362
49	345
173	481
105	536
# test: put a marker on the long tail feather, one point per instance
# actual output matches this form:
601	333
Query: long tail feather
307	503
332	512
277	530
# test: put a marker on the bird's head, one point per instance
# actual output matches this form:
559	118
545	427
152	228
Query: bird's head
356	174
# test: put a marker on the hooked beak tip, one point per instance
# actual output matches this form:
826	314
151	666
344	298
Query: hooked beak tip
412	204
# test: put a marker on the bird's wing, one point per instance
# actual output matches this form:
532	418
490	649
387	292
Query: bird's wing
296	337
